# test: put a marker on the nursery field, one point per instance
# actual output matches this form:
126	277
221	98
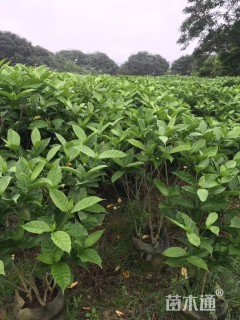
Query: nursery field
116	192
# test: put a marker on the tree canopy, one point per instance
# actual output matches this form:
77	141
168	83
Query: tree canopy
216	26
183	65
97	62
144	63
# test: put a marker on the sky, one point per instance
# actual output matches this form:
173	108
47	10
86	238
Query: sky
117	28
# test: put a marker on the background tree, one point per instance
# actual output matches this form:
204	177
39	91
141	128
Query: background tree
14	48
76	56
97	62
215	23
19	50
101	63
144	63
183	65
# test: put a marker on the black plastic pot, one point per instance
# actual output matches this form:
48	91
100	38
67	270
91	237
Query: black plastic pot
54	310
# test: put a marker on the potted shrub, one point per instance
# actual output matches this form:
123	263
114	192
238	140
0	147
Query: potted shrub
46	219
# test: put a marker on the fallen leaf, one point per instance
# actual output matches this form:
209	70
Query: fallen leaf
119	200
126	274
86	308
72	285
117	268
184	272
120	313
36	117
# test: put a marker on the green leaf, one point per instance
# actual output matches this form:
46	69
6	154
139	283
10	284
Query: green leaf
37	170
93	238
3	165
61	139
86	150
85	203
111	154
174	252
202	194
117	175
137	144
234	133
181	147
61	274
60	200
45	258
36	226
186	177
97	169
202	165
164	139
198	262
214	204
235	222
90	255
4	182
211	152
208	181
214	230
76	230
194	239
212	217
162	187
52	152
79	133
176	262
13	140
55	175
205	244
98	96
2	268
35	136
41	182
199	144
62	240
180	225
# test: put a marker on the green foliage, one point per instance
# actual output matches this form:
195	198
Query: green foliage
215	23
144	63
97	62
19	50
183	65
71	135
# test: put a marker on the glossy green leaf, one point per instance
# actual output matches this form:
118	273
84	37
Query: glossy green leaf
212	217
62	240
174	252
93	238
4	182
37	227
61	274
86	203
90	255
60	200
197	262
202	194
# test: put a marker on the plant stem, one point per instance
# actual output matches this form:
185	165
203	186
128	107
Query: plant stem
204	282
